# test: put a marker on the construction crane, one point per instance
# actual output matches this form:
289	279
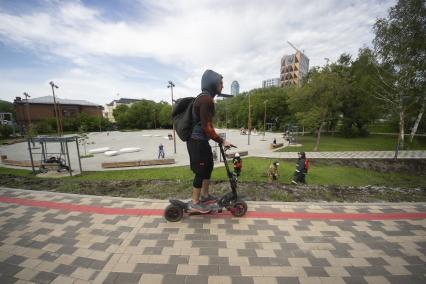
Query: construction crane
295	47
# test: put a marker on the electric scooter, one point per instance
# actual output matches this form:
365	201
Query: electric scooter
230	201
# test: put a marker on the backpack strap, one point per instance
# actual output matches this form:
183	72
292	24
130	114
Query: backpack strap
194	115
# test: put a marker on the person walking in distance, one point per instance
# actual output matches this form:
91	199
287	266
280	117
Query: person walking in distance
161	153
199	150
302	167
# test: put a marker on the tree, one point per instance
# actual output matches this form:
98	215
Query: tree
316	102
400	43
358	107
120	115
6	106
233	112
165	115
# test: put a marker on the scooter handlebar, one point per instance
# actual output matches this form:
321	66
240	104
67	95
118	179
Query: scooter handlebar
229	147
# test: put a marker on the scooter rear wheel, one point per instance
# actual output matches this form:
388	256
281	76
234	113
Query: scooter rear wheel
239	208
173	213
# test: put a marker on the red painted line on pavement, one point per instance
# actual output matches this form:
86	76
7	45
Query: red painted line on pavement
250	214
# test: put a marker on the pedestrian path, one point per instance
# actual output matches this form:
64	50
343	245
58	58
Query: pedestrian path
50	237
350	155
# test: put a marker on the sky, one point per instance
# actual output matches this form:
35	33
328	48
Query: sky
100	50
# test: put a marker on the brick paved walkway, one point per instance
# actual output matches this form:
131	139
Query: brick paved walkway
72	244
350	155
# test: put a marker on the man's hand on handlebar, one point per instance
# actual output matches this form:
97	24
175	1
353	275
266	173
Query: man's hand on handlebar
227	145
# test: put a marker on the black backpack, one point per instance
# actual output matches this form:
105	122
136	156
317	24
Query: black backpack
182	117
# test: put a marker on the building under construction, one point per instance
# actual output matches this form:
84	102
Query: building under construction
294	68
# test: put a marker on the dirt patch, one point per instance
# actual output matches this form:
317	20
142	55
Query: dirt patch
412	166
160	189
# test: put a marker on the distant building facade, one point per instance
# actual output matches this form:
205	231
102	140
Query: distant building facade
43	107
294	68
109	108
275	82
235	88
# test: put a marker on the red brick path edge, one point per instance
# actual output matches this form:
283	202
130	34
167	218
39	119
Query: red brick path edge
250	214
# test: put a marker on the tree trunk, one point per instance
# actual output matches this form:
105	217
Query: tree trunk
401	128
318	136
419	118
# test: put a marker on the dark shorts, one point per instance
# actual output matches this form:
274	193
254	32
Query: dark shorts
201	157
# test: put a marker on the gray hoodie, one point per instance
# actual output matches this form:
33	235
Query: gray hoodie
210	81
203	108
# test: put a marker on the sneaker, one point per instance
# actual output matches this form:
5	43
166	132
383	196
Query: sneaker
293	182
209	199
198	207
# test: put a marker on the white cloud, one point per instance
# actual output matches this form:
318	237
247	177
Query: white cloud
243	40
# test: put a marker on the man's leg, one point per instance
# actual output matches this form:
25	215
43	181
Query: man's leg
195	195
206	185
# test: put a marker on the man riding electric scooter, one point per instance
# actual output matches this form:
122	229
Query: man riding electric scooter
197	130
200	152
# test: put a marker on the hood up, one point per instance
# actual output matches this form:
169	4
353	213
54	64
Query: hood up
210	81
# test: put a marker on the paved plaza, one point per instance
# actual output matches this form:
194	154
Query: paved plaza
50	237
148	141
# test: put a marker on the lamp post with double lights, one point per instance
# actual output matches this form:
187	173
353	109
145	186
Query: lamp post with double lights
171	85
56	110
28	108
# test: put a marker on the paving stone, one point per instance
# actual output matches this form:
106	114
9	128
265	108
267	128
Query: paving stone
9	269
412	279
44	277
128	278
65	269
175	279
376	261
49	256
287	280
315	272
242	280
100	246
219	260
210	251
178	259
82	262
208	269
230	270
15	259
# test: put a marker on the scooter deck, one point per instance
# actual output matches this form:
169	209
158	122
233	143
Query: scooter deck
214	208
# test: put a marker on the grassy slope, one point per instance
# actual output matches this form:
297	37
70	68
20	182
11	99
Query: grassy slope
254	169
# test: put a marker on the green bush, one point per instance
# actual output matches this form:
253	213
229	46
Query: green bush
6	131
47	125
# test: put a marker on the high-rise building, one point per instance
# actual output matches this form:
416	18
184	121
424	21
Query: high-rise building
293	68
235	88
275	82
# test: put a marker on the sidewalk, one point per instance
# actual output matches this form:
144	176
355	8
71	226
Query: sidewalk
48	237
350	155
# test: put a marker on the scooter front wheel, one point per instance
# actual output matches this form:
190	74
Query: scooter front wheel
173	213
239	208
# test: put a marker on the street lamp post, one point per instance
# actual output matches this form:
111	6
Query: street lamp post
171	85
226	116
56	109
249	120
264	121
28	108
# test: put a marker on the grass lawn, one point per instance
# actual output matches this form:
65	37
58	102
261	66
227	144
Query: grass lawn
254	170
371	143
